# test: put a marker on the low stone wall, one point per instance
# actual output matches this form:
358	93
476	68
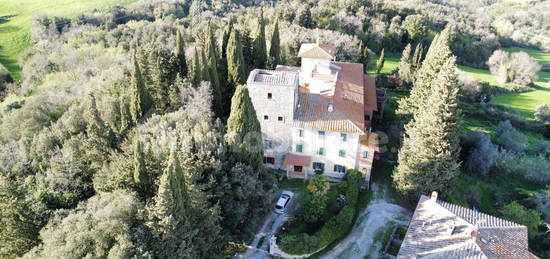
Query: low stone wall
276	251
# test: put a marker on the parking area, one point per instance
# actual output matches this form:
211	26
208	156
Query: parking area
259	247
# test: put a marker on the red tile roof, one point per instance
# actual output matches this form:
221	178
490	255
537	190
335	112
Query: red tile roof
300	160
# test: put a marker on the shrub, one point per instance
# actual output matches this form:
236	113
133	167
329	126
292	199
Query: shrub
314	207
541	200
335	228
483	155
542	113
497	112
509	138
518	68
535	169
521	215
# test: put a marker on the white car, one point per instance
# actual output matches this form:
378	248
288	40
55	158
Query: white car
283	201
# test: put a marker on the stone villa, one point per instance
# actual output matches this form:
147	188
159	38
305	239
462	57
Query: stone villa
442	230
317	117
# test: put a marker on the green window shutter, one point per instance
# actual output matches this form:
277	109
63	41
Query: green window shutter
299	148
321	151
342	153
344	137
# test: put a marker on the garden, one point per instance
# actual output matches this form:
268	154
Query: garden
326	215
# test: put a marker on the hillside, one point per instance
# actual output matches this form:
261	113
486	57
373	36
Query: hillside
16	18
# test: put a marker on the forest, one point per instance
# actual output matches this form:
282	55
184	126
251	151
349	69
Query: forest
130	132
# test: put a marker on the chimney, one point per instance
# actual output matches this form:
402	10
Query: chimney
434	196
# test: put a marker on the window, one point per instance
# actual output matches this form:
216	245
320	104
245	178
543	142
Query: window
366	154
367	117
321	134
342	153
269	160
298	168
300	148
268	144
266	117
280	118
300	132
321	151
339	168
318	167
269	95
343	137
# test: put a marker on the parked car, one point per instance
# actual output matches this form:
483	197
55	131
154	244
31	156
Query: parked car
283	202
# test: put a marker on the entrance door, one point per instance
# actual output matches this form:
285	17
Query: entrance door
298	168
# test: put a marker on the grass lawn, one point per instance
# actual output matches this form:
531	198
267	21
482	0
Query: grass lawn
389	65
15	23
524	102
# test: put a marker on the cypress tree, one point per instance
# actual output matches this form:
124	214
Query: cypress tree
405	70
364	56
417	57
259	48
380	62
438	53
169	217
428	160
125	115
139	100
225	39
244	138
197	73
205	70
180	55
212	68
236	68
275	48
141	177
246	47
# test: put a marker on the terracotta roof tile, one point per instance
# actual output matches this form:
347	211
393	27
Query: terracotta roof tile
294	159
370	93
313	50
443	230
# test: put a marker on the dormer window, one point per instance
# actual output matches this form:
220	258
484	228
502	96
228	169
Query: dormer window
269	96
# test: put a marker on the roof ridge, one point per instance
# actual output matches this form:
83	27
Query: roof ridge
470	212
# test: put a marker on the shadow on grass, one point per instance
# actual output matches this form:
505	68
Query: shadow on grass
6	18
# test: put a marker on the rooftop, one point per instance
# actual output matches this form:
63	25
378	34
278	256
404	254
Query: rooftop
273	77
314	50
442	230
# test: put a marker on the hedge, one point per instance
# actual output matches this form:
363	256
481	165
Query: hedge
335	228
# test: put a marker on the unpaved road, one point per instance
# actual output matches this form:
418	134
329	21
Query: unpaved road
359	241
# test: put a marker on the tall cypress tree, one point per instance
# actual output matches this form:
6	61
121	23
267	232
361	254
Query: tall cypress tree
212	67
438	53
139	99
224	81
405	68
417	57
141	177
236	68
380	62
364	56
197	73
259	48
275	48
428	160
180	55
205	70
244	138
169	218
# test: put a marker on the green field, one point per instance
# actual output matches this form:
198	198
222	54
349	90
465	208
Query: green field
15	22
524	102
389	65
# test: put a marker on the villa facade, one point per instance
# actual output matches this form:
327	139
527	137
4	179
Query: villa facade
317	117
